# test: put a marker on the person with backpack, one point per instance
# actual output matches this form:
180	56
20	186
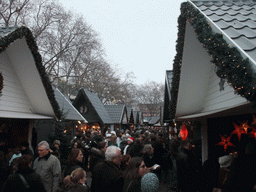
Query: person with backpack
25	179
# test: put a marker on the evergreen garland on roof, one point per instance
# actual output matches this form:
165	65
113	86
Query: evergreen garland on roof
231	66
19	33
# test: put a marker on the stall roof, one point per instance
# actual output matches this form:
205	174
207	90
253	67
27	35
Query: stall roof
226	25
23	72
67	108
116	112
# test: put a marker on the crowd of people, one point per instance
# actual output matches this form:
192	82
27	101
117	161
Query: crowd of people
125	162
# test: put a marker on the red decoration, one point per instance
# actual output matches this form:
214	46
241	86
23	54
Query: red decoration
253	132
238	130
254	120
184	132
225	142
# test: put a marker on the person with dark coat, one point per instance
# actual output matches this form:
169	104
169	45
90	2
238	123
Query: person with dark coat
125	162
75	160
4	169
133	174
55	150
242	175
106	175
147	155
15	184
188	169
113	140
25	149
135	149
173	149
129	144
98	154
210	171
158	149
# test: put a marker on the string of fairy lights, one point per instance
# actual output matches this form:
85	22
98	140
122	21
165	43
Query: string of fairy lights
18	33
230	64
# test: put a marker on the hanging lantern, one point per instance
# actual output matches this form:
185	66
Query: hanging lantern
225	142
184	132
238	130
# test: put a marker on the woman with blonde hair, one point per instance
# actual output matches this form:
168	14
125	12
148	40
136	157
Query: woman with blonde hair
76	182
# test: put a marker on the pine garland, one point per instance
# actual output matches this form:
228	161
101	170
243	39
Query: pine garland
231	66
18	33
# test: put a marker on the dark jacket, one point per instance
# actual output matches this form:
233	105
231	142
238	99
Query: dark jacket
210	173
77	188
107	177
15	184
242	176
135	149
132	185
68	170
149	160
97	156
56	152
188	171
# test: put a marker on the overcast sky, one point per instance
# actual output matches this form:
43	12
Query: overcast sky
137	35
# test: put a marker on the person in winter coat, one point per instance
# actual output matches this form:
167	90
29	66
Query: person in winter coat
75	160
56	149
48	167
129	144
106	175
242	176
188	169
4	169
148	155
76	182
113	140
25	150
34	182
135	149
98	154
133	174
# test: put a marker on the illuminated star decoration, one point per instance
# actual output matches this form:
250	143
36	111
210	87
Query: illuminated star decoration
225	142
238	130
245	126
253	133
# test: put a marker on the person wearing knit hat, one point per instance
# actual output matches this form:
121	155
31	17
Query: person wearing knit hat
149	183
225	161
129	141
